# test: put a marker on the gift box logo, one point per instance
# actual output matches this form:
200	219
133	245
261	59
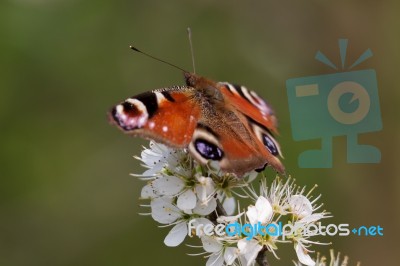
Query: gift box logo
342	103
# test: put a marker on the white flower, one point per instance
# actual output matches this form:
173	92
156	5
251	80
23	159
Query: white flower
286	199
181	190
277	193
157	156
300	206
261	212
302	210
191	191
226	183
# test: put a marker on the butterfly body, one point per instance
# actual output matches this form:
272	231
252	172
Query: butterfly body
215	121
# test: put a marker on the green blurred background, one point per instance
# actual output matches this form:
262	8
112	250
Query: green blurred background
66	197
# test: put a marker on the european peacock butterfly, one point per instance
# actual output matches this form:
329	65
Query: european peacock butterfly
215	121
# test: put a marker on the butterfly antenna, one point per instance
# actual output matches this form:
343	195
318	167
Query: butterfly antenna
191	48
155	58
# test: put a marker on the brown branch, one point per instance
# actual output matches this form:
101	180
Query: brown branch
262	257
219	211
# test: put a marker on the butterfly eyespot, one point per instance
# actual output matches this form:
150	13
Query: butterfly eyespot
208	150
130	115
269	143
129	107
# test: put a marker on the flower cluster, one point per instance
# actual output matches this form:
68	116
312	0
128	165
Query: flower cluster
182	192
279	203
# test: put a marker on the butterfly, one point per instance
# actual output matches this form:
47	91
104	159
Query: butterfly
216	121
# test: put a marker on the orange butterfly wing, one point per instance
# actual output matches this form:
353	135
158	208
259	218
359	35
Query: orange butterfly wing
259	118
221	137
166	115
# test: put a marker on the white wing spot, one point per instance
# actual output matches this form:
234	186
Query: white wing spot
120	108
164	128
160	97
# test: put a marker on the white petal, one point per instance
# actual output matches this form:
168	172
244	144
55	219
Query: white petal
303	257
201	193
188	211
251	176
300	205
187	200
150	157
174	157
228	219
205	187
264	210
152	171
249	250
153	158
252	214
168	185
205	209
215	260
148	192
202	221
229	205
163	211
199	224
210	244
214	166
230	255
311	218
176	235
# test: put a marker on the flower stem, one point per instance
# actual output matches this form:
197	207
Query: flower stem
262	257
219	211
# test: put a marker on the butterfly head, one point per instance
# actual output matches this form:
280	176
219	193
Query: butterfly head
197	81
